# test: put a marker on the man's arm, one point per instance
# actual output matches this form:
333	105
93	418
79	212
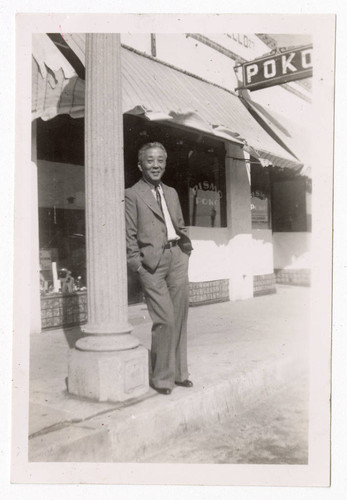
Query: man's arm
184	242
133	251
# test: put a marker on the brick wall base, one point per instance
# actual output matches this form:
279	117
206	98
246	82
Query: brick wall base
208	292
59	310
264	284
67	310
300	277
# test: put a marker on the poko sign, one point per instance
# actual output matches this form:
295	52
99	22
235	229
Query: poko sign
280	68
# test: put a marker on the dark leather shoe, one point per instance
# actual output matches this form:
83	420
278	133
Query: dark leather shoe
185	383
162	390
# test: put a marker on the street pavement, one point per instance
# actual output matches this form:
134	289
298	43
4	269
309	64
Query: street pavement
274	432
240	355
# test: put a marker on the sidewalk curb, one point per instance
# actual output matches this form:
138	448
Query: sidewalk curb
131	433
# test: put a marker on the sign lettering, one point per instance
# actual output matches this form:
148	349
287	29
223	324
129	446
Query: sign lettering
287	63
306	58
269	69
242	40
280	68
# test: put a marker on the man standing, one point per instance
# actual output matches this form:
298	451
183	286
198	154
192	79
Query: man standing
158	249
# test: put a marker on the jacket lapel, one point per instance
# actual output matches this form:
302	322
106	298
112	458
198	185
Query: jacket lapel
146	194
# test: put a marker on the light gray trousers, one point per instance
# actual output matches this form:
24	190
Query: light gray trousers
167	296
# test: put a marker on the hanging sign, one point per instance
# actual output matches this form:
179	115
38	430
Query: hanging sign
285	66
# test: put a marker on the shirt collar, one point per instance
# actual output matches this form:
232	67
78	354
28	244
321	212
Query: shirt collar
152	186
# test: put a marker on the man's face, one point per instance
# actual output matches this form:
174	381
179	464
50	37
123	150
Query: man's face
153	165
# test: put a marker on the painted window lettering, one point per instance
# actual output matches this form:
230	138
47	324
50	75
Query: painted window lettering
207	186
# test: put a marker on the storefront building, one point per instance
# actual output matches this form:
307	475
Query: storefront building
234	176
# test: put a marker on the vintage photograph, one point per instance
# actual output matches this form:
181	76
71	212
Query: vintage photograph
171	287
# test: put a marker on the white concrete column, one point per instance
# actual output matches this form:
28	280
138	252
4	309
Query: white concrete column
239	223
104	174
107	363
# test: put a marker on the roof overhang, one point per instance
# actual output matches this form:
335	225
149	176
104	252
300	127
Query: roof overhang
155	90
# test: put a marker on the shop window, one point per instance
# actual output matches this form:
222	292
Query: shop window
62	240
60	154
260	196
195	168
207	193
289	205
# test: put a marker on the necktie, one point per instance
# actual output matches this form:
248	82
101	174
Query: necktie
170	230
158	195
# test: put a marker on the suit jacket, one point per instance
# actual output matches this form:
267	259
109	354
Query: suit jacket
145	225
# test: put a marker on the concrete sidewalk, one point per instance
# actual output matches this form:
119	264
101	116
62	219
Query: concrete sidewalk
239	353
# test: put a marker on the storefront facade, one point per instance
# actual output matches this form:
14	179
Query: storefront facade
216	158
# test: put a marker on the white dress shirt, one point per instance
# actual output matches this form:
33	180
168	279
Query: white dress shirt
171	233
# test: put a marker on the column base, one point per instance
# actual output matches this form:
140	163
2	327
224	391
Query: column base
107	342
108	328
108	376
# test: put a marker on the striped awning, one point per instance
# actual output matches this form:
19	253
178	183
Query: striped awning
158	92
56	87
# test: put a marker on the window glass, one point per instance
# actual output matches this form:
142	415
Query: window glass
289	205
62	240
195	167
260	196
207	193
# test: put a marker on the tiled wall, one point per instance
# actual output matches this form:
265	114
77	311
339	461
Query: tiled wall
208	292
293	276
63	310
264	284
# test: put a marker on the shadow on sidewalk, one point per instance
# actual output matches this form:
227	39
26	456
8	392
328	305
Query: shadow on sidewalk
72	334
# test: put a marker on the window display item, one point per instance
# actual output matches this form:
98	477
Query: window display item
66	281
56	283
